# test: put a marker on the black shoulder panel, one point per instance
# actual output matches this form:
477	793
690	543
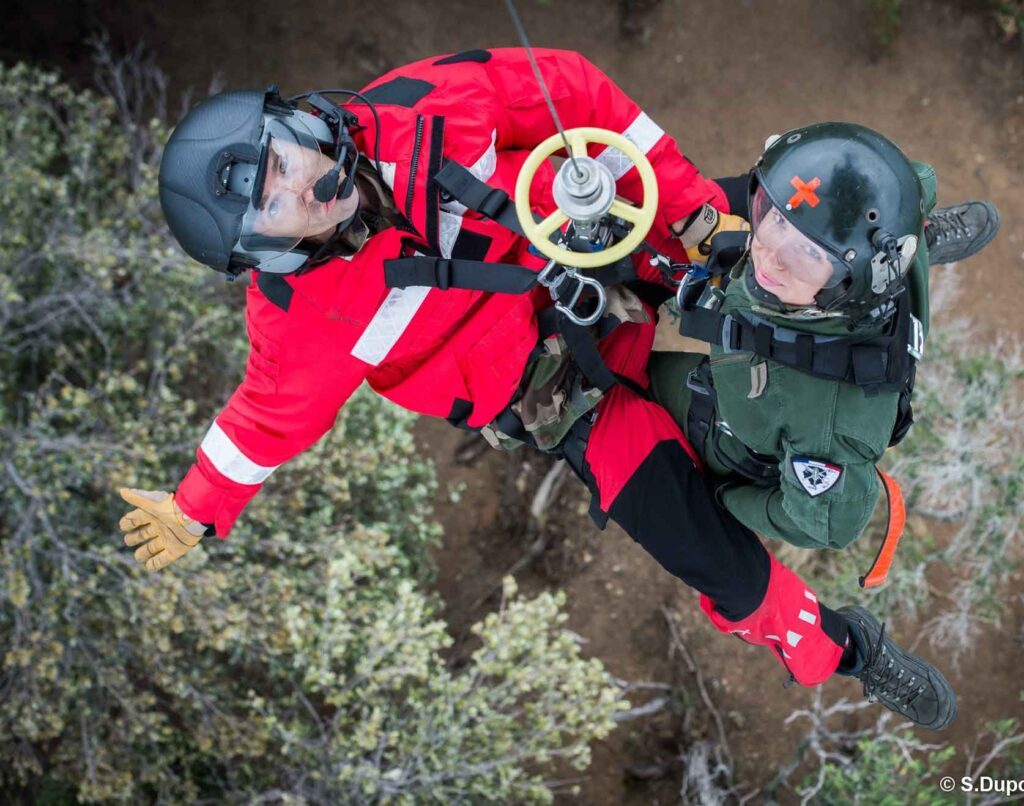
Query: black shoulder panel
275	288
475	55
401	91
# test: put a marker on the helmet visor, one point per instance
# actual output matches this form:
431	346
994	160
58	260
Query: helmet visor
282	209
787	262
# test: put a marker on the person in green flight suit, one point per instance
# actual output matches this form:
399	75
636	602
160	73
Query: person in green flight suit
816	322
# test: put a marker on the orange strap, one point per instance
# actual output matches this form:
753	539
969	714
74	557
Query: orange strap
894	531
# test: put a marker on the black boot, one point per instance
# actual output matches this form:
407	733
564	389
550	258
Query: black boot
955	233
902	682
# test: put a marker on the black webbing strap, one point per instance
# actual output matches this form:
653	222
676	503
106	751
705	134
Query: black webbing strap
491	202
481	275
509	423
701	413
878	363
582	345
445	273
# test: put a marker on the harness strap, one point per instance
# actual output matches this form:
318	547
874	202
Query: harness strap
481	275
582	346
701	413
494	203
445	273
879	363
508	423
701	420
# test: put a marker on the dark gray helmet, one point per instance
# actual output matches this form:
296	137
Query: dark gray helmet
212	175
854	194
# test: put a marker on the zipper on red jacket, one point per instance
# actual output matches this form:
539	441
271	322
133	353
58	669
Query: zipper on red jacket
412	167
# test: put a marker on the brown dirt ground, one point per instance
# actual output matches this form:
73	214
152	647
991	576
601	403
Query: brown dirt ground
720	76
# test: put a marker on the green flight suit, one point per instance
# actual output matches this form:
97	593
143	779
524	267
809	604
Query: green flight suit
794	419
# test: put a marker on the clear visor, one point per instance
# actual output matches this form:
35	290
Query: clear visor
283	210
780	251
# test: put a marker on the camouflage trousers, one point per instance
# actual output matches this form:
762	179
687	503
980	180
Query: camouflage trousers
553	393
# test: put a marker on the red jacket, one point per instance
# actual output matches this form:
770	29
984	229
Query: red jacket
315	337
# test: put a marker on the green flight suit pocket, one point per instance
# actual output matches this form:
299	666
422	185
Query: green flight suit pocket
829	502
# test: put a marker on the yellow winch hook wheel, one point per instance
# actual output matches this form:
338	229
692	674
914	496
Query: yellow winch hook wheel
641	217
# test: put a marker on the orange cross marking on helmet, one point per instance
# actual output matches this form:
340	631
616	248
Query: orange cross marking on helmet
804	192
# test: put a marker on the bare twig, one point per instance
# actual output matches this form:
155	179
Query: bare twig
677	644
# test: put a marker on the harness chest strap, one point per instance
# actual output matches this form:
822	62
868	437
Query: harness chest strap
879	363
434	271
700	421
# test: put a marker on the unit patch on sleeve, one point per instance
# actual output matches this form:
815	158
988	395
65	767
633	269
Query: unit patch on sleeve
815	476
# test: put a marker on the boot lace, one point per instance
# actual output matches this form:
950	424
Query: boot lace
945	226
883	679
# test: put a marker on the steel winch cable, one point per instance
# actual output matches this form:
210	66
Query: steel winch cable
510	5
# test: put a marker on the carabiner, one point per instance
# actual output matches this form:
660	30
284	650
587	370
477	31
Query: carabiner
554	285
602	300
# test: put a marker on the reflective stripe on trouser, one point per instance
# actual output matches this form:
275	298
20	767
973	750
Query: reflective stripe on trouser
644	474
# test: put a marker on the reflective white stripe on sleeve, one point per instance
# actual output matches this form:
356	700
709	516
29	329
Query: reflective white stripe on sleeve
389	323
643	133
230	461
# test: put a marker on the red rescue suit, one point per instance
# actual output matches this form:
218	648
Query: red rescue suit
317	336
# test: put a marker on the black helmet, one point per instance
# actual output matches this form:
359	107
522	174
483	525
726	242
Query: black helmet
213	171
855	195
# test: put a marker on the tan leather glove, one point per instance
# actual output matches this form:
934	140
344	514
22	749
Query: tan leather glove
701	226
159	528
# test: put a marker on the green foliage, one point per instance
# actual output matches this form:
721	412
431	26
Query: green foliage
893	769
297	661
887	21
880	774
1009	14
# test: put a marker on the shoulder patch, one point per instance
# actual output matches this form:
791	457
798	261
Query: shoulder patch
815	476
400	91
475	55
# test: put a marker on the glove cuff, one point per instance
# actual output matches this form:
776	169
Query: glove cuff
698	227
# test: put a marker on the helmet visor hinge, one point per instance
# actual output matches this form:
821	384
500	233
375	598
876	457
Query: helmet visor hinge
233	175
886	242
891	260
